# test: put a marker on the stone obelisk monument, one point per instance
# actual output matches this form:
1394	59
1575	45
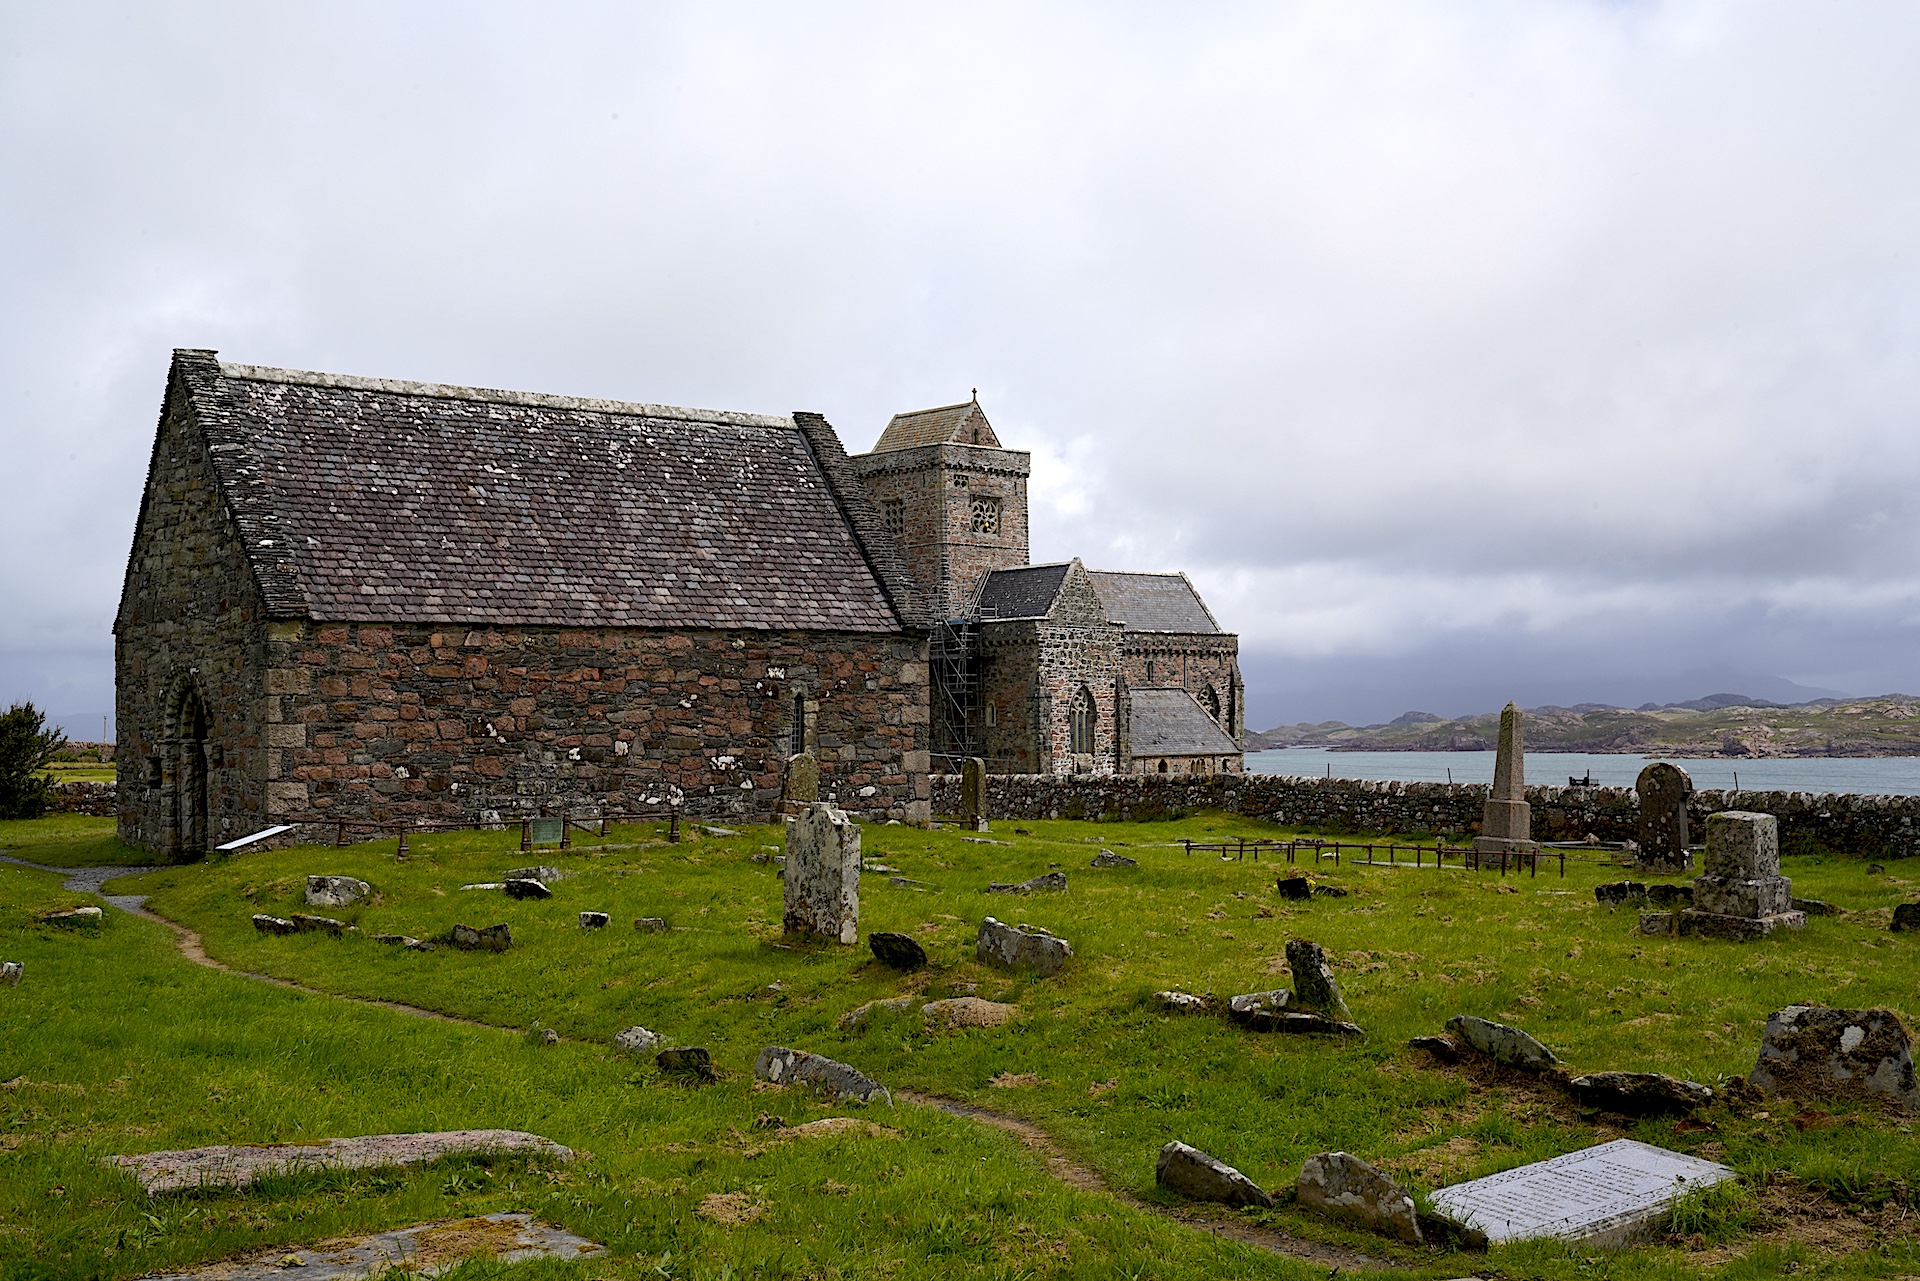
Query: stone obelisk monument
1508	825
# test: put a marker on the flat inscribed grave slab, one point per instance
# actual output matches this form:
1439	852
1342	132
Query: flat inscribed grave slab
1607	1195
236	1165
424	1250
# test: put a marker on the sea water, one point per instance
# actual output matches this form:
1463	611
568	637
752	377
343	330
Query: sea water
1870	775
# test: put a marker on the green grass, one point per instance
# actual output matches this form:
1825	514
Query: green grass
81	772
68	840
209	1057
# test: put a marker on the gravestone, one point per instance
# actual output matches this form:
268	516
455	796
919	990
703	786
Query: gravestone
1608	1196
1741	894
822	881
1021	947
1314	987
546	831
1341	1184
1815	1052
801	787
1506	826
1191	1173
897	951
783	1066
336	891
973	794
1664	789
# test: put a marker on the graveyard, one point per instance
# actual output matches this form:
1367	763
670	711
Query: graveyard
1022	1115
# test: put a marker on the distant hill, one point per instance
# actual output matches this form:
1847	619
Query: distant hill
1717	725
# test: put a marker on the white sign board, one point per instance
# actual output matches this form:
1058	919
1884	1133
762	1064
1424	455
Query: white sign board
257	836
1607	1195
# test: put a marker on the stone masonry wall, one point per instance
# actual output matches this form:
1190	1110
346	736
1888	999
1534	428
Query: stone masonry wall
936	485
1868	826
439	722
191	627
1079	650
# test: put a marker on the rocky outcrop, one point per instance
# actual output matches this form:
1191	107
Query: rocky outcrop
1193	1174
1342	1185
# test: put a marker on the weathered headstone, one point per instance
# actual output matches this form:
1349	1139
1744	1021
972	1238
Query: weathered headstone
336	891
527	888
1741	894
1016	947
783	1066
650	924
1664	789
1815	1051
801	785
492	938
273	924
1297	888
822	881
1506	826
1107	858
1507	1046
593	920
542	873
238	1165
1341	1184
11	972
1639	1093
1044	881
973	794
1607	1196
897	951
1314	987
1192	1173
507	1236
1906	916
637	1040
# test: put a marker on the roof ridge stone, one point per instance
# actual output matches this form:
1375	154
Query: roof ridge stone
534	399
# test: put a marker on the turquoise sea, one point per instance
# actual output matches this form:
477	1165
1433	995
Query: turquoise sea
1872	775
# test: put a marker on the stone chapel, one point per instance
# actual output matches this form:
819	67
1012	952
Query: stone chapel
360	599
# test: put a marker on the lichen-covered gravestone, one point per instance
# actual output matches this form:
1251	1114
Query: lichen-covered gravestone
1314	987
1741	894
973	794
1664	789
1814	1051
801	787
1341	1184
1507	824
823	874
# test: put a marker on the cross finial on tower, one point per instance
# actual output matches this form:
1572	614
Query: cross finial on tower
976	395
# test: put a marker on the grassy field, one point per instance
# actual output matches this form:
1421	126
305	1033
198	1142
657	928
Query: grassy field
203	1057
82	772
67	840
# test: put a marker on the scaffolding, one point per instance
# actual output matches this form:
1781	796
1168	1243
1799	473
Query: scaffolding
955	655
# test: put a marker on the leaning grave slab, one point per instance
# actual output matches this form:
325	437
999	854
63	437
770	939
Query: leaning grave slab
237	1165
426	1249
1610	1195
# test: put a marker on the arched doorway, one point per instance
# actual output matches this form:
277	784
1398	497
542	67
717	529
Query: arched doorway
189	837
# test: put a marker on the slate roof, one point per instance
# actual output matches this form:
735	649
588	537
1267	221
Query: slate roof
1026	592
363	500
1168	722
961	424
1153	602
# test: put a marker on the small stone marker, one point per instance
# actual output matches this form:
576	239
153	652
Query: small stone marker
594	920
801	786
1297	888
74	916
238	1165
686	1060
493	938
973	794
1814	1051
861	1013
1640	1093
1183	1003
1607	1196
1107	858
1615	893
1193	1174
1741	894
1314	987
897	951
527	888
1507	824
544	874
970	1011
1443	1048
822	882
403	940
318	924
1664	789
508	1237
1906	916
1016	947
336	891
1045	881
650	924
1341	1184
783	1066
11	972
637	1040
273	924
1507	1046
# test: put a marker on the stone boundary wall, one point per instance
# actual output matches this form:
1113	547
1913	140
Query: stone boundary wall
97	799
1881	826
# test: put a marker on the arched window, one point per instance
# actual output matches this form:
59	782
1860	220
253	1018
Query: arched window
1211	702
1163	767
1080	724
798	741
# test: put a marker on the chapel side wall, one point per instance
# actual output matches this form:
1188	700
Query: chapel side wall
1079	649
1866	826
1015	741
442	722
1195	662
190	617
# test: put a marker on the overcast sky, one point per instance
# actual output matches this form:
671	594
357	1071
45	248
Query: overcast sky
1459	352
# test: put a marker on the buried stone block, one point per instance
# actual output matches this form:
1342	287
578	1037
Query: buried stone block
686	1060
821	888
897	951
1021	947
403	940
525	887
82	916
1193	1174
544	873
594	920
1443	1048
11	972
1906	916
336	891
1184	1003
318	924
637	1041
1045	881
1507	1046
273	924
1639	1093
969	1011
1107	858
782	1066
238	1165
1341	1184
650	924
492	938
1615	893
1817	1052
